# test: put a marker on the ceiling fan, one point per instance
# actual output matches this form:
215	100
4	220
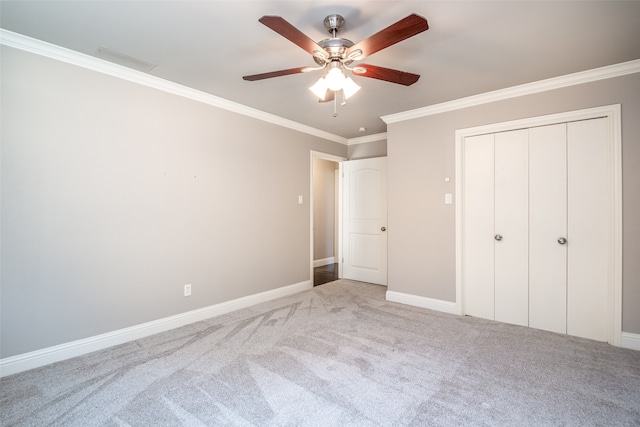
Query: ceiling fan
336	54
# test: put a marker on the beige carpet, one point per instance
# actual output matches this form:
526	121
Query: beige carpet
335	355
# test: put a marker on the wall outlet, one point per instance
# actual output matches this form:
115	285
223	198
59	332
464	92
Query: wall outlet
187	290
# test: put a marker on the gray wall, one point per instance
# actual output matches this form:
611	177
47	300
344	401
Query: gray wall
324	201
115	195
367	150
421	154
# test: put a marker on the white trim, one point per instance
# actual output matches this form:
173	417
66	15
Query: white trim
588	76
39	47
613	114
631	341
28	44
323	262
340	218
35	359
368	138
423	302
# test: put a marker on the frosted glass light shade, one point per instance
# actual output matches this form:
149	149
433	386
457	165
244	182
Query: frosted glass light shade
335	79
349	88
319	88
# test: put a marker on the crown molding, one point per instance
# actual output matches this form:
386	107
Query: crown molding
588	76
367	138
39	47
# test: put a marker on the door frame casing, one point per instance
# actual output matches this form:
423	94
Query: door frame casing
613	115
337	159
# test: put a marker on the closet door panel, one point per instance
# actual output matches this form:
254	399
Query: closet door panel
511	223
477	255
547	224
588	232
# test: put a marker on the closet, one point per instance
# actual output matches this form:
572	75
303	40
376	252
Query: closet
535	246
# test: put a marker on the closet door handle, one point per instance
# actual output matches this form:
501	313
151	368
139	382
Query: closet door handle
498	237
562	241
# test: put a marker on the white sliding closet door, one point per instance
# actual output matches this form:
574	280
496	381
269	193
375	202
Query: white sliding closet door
548	224
588	234
511	229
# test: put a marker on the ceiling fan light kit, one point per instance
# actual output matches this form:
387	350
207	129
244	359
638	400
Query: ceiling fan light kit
345	84
336	54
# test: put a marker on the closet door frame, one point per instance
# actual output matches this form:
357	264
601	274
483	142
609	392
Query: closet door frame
612	114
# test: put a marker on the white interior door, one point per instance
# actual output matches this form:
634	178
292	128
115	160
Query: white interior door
511	227
364	240
478	226
588	231
547	225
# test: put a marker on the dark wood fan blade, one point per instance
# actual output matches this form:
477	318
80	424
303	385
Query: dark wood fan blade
386	74
288	31
401	30
271	74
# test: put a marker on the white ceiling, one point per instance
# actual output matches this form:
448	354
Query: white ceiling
471	47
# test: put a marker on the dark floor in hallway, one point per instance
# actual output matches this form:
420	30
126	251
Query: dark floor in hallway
325	274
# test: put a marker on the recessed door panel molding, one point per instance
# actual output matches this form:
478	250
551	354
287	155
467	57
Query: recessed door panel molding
511	213
366	251
573	214
547	224
478	255
365	225
364	186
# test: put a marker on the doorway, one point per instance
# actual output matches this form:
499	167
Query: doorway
325	217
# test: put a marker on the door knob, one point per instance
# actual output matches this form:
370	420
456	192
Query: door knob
383	229
498	237
562	240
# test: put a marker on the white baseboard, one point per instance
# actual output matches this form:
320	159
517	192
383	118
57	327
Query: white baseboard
322	262
630	340
423	302
35	359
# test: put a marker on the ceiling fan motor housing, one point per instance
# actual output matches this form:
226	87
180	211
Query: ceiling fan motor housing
336	47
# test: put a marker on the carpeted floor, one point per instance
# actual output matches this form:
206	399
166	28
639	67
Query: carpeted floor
338	354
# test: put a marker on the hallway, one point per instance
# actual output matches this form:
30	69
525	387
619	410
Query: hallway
325	274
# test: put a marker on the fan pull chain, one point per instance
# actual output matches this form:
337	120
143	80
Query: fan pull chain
335	105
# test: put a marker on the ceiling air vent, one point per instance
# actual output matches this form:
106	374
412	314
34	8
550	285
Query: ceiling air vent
124	59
